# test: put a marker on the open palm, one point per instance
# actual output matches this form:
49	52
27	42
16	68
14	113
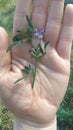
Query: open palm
41	103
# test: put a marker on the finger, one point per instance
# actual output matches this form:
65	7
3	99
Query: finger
64	46
22	9
5	58
54	21
39	13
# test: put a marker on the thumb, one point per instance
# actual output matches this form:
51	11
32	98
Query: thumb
5	57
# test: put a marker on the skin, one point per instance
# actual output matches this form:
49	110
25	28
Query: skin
41	103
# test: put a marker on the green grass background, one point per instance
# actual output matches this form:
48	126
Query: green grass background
65	112
7	8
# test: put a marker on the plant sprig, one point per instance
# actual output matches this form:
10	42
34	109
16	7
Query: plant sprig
36	53
22	35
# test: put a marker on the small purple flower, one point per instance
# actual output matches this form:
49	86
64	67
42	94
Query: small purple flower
39	33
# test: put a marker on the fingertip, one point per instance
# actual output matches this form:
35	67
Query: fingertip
70	6
5	58
2	29
4	39
66	36
68	18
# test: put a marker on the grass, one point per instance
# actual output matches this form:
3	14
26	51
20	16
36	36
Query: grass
7	8
6	15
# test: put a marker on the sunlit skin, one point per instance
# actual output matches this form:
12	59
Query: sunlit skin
41	103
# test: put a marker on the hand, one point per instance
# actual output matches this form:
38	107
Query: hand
41	103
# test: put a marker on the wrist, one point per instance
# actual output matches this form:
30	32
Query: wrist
22	124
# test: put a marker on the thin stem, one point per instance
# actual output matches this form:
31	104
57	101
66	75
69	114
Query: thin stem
32	44
35	69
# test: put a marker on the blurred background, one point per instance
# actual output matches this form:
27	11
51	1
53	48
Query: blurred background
65	111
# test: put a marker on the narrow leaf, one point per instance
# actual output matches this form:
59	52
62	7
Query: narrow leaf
19	42
27	70
40	48
46	44
29	32
21	79
29	22
11	46
19	36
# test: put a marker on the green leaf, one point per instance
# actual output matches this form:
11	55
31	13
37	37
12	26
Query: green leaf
27	70
18	80
24	33
18	31
11	46
29	32
34	52
14	44
46	44
20	36
19	42
29	22
41	50
21	79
